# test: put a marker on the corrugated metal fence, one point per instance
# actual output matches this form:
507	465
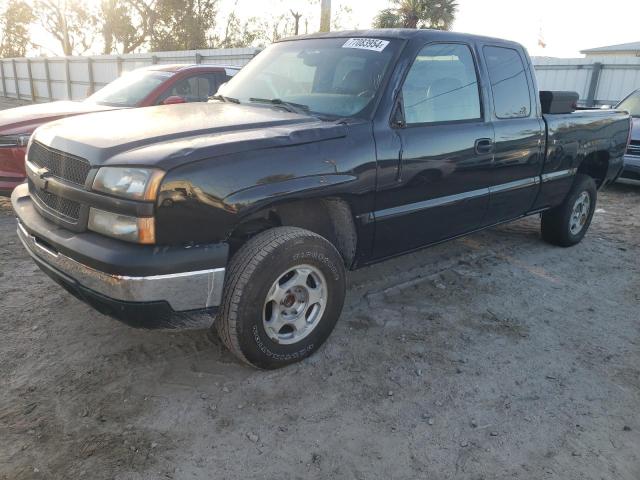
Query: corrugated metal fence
598	80
73	78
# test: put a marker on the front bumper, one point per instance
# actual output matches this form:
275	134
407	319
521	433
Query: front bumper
631	170
143	296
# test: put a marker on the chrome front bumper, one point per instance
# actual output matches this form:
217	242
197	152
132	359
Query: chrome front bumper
182	291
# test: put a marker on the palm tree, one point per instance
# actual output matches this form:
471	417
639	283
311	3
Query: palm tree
438	14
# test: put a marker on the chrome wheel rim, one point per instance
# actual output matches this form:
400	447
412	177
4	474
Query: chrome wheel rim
295	304
580	213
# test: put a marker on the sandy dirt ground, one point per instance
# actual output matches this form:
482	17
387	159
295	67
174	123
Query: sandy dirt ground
493	356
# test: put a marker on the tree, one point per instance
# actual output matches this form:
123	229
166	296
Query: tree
126	24
70	22
14	29
239	35
437	14
325	15
388	18
183	24
296	21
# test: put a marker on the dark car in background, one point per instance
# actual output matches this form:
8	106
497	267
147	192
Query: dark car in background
631	172
144	87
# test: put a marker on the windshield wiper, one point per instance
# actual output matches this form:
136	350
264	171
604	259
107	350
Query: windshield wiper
290	106
224	99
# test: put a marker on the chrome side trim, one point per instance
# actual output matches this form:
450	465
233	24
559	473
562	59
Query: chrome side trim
183	291
505	187
459	197
433	202
546	177
391	212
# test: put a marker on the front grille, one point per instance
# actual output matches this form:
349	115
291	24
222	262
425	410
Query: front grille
59	164
61	206
634	148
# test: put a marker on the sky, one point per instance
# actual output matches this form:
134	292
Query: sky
566	26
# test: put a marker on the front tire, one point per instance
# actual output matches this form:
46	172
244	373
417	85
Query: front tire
282	297
567	224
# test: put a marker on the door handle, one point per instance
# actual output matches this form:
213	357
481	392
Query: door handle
483	145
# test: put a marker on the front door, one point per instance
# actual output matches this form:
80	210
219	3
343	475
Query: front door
446	154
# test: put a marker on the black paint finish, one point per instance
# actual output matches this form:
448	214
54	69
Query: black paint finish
407	186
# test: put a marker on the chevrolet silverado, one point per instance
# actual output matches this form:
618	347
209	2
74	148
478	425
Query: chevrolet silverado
327	152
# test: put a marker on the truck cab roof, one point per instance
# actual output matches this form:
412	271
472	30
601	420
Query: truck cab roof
424	34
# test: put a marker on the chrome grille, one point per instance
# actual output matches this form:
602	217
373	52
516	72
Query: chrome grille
634	148
60	164
68	209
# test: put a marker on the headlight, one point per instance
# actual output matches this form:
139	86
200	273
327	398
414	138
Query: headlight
17	140
127	182
122	227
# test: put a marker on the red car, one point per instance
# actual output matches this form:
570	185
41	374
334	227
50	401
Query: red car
156	85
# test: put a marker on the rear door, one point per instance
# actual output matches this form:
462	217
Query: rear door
519	133
441	187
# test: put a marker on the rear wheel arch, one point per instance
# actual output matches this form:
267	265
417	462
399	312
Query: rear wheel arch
595	165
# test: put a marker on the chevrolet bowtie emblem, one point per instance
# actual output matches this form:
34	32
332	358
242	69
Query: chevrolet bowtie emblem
42	174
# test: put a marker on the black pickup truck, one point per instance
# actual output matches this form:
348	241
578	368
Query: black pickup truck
325	153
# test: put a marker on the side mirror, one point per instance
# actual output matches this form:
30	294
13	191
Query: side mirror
173	99
606	107
397	117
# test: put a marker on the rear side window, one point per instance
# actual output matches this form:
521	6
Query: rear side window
441	85
508	82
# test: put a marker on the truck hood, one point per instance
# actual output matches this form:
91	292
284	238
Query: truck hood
25	119
168	136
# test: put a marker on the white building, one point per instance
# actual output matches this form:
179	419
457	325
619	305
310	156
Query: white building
624	49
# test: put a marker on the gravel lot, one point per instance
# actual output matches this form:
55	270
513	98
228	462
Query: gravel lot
493	356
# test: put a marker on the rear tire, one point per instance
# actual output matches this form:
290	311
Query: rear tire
567	224
283	294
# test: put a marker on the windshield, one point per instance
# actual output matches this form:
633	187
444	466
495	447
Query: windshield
330	76
631	104
129	89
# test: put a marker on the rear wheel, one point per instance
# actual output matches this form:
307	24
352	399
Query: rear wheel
567	224
283	295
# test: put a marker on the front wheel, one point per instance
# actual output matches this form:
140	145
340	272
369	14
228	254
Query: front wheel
283	295
567	224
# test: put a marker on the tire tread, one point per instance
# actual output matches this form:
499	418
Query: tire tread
241	268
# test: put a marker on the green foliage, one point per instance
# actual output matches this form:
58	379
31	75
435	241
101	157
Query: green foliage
126	24
183	24
437	14
14	28
239	34
388	18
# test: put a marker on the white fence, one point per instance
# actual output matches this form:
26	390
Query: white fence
73	78
598	80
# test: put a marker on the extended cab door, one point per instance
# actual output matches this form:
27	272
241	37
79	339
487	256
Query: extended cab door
445	153
519	132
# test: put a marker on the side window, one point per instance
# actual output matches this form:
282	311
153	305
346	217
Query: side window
197	88
508	82
442	85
